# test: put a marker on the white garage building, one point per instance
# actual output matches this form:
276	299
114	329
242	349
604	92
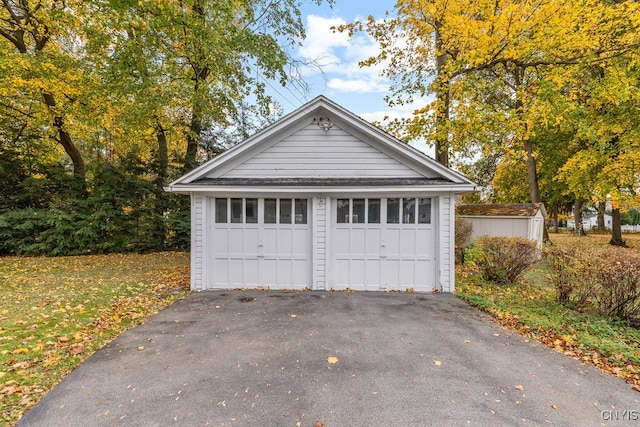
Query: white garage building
323	200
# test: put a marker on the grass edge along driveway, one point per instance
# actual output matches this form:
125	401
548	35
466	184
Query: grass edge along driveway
56	312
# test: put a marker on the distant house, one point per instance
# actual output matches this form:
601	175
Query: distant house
507	220
590	221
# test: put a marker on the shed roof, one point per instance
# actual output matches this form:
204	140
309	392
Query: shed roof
494	209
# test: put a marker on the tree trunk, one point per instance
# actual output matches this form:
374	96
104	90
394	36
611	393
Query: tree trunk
532	171
162	165
577	215
555	220
601	209
616	229
64	138
443	97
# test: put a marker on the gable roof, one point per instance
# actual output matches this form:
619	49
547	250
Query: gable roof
512	209
406	162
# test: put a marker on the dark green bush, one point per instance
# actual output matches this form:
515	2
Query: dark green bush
503	260
115	209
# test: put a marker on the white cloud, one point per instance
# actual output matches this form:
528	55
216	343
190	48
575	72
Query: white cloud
337	56
321	42
357	85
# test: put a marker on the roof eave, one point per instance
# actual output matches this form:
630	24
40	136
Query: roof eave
410	189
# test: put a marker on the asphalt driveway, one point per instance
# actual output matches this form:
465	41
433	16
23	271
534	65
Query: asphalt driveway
220	358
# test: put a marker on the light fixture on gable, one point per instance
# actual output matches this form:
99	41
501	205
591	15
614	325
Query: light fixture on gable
323	123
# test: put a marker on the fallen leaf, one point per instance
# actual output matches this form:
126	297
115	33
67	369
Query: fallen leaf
437	362
140	347
519	387
554	407
467	341
294	315
76	349
332	360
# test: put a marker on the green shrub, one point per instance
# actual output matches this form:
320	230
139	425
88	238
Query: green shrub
605	280
503	260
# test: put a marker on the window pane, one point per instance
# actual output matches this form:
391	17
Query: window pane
374	211
236	210
358	211
270	211
343	211
251	211
301	211
424	211
221	210
285	211
409	211
393	211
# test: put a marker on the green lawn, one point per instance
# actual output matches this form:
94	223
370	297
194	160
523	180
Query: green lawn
55	312
530	308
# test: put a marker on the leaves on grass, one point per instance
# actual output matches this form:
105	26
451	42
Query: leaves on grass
530	309
57	311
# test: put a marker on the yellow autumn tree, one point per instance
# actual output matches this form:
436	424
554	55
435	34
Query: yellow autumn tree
489	64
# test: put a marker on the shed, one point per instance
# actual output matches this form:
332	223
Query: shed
324	200
507	220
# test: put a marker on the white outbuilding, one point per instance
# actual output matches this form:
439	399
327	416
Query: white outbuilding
505	220
322	200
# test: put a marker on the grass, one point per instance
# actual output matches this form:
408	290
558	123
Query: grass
55	312
530	308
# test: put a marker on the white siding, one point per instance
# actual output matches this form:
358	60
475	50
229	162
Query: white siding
197	240
320	243
312	152
446	242
499	226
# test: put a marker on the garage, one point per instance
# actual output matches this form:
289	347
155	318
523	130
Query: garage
382	244
322	200
260	242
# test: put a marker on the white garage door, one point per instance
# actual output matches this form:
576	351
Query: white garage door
383	244
261	242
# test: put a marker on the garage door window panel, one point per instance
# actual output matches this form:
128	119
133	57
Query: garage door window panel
270	211
409	211
393	211
342	209
236	211
373	211
221	211
301	211
285	211
251	211
424	210
358	214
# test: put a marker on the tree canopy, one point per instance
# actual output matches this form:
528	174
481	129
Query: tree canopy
100	97
547	88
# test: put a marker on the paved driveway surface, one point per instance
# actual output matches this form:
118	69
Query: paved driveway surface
260	359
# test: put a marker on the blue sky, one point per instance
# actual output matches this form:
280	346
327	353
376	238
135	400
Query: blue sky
359	90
